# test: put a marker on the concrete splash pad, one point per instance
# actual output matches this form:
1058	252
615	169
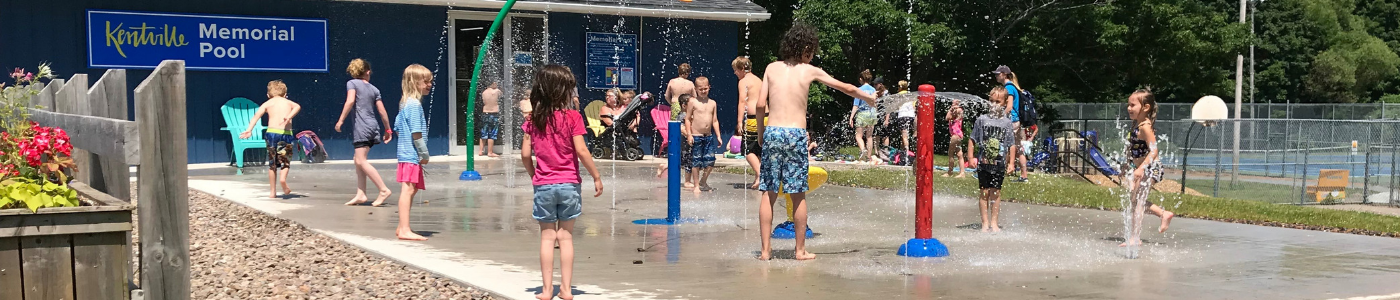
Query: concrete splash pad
482	234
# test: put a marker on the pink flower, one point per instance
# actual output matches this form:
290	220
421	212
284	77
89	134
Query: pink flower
31	157
28	76
41	140
19	72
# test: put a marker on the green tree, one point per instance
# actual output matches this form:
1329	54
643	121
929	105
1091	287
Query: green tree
855	35
1063	50
1320	51
1382	22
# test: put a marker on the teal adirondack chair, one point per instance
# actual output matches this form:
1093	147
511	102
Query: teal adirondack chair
237	112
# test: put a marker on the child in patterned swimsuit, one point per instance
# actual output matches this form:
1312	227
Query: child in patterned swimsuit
279	111
784	137
1147	170
955	153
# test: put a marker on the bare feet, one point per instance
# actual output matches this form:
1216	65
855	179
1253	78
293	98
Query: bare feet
765	255
545	295
985	229
688	185
493	155
380	200
274	196
566	293
408	235
1134	242
960	175
1166	221
285	189
804	255
945	174
996	228
359	199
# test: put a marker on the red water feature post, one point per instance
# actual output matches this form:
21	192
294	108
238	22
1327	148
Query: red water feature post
923	244
923	168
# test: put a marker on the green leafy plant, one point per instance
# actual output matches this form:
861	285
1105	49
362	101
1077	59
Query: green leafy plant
32	194
14	99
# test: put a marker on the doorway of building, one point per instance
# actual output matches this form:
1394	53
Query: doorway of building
468	36
513	55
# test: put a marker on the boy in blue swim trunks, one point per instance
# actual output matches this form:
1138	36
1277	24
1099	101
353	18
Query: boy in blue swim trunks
490	120
704	130
279	111
784	132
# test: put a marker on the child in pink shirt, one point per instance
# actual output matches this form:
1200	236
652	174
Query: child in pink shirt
556	139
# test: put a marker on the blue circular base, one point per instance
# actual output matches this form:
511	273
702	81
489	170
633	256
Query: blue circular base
469	176
666	222
923	248
787	231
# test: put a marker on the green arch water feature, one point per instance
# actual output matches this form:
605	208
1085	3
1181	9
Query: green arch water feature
470	173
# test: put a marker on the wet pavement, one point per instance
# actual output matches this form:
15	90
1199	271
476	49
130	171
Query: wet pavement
481	233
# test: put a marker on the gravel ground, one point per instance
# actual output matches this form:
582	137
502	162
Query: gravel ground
240	253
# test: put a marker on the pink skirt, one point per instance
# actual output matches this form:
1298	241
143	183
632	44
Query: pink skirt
411	173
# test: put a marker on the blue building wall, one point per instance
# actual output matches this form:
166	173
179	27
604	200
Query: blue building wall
709	47
390	36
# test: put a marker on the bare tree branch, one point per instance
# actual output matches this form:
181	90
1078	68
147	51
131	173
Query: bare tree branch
1022	14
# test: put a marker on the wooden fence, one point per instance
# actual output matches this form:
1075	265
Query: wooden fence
83	252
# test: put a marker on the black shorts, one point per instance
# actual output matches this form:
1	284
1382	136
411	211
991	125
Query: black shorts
906	123
888	129
990	177
751	145
368	143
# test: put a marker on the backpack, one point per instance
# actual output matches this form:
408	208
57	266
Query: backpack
1027	109
312	149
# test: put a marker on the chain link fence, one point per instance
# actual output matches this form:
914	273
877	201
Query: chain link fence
1279	160
1181	111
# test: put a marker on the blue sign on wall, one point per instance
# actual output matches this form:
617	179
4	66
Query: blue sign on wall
611	61
140	40
524	59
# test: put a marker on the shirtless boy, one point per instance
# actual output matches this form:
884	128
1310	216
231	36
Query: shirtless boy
490	120
279	137
749	86
704	133
784	93
681	85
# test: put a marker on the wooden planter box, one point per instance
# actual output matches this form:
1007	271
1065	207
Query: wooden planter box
76	253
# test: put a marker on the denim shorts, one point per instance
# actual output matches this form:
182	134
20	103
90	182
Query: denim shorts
558	202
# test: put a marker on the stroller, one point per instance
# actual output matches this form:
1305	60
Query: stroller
619	136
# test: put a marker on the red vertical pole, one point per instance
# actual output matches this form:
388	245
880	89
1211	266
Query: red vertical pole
923	168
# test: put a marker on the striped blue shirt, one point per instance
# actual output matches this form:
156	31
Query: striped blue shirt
409	120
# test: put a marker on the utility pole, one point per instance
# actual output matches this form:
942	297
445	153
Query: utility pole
1253	108
1239	103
